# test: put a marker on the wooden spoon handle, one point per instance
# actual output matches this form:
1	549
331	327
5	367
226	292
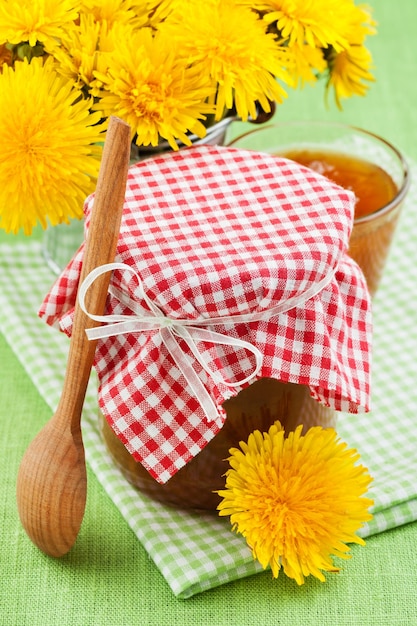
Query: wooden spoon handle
100	248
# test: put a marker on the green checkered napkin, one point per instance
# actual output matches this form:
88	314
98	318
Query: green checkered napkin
195	551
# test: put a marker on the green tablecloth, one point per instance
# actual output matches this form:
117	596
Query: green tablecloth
108	578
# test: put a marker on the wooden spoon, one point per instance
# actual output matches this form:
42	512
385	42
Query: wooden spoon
52	482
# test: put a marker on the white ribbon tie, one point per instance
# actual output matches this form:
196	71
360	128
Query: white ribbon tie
153	318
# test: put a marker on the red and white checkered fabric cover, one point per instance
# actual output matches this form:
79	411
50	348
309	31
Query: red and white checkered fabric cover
214	231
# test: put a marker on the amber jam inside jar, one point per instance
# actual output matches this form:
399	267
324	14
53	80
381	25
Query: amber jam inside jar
374	189
355	159
373	186
255	408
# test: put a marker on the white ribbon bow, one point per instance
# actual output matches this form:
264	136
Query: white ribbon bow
190	331
169	329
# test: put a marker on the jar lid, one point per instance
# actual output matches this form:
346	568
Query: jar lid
231	266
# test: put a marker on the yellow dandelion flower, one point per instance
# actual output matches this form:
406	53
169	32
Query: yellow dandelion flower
34	21
109	40
358	23
78	50
153	89
315	22
297	500
349	70
48	142
230	44
305	63
111	12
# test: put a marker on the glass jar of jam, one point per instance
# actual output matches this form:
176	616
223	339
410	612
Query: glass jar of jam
229	308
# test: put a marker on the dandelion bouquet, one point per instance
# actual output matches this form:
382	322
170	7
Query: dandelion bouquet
169	68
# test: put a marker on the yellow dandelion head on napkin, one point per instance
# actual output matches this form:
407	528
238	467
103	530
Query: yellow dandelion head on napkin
298	500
